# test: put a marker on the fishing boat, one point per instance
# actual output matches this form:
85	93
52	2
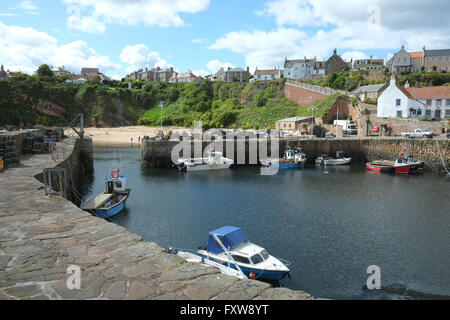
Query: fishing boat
292	159
230	247
403	164
214	160
339	160
112	201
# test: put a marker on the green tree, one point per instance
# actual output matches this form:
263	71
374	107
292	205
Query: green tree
45	71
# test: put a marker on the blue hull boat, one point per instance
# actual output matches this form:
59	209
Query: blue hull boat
111	202
254	273
230	247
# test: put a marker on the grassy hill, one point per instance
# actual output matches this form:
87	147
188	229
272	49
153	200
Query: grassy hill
48	100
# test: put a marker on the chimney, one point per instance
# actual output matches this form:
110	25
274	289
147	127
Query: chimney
407	84
248	69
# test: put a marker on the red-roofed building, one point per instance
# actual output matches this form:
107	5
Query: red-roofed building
407	102
267	75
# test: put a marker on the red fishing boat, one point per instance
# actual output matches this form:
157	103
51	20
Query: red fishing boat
403	164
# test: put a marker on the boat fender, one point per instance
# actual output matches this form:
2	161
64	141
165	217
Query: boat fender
115	174
252	275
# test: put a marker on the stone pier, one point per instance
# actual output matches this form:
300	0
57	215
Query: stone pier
41	236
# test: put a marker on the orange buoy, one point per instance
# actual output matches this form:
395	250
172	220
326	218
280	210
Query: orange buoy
252	275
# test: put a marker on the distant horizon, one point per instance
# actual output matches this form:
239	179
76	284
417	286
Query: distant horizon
204	35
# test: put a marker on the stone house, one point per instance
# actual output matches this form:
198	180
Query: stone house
368	92
437	59
292	124
233	75
408	102
400	62
184	77
335	64
268	75
154	75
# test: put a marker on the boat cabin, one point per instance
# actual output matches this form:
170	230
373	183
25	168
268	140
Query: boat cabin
236	242
116	183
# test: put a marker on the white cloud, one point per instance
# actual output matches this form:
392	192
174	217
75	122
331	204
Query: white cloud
215	65
263	49
355	55
27	5
140	56
200	41
344	26
160	13
25	49
290	12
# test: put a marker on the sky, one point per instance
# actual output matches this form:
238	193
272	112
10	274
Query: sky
121	36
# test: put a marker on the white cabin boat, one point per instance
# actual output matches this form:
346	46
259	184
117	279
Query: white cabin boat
339	160
214	161
229	246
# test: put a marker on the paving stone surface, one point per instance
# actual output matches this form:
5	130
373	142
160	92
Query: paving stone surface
40	237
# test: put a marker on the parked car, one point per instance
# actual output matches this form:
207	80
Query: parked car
418	133
329	135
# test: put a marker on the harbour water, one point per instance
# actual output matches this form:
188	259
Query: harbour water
331	223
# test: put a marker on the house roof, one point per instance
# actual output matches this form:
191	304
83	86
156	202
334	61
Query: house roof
416	55
437	53
275	71
291	62
89	70
372	88
294	119
441	92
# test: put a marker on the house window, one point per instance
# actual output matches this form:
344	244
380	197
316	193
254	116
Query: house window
428	113
447	113
448	102
429	102
399	113
439	103
398	102
440	59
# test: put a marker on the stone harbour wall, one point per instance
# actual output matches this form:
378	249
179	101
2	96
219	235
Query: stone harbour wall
40	237
158	153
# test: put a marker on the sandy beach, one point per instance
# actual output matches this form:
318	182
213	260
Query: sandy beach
122	136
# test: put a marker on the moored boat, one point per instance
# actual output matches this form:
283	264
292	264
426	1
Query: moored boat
229	246
339	160
113	200
403	164
292	159
213	161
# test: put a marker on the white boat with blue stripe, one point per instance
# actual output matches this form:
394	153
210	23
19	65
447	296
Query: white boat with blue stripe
113	200
292	159
230	247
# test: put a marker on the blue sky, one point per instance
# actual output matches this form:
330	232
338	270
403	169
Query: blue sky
119	36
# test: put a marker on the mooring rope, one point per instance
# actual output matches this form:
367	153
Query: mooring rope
442	159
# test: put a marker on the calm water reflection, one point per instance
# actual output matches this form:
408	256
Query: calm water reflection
330	223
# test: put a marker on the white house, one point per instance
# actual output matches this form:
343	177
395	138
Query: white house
299	69
268	75
432	102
